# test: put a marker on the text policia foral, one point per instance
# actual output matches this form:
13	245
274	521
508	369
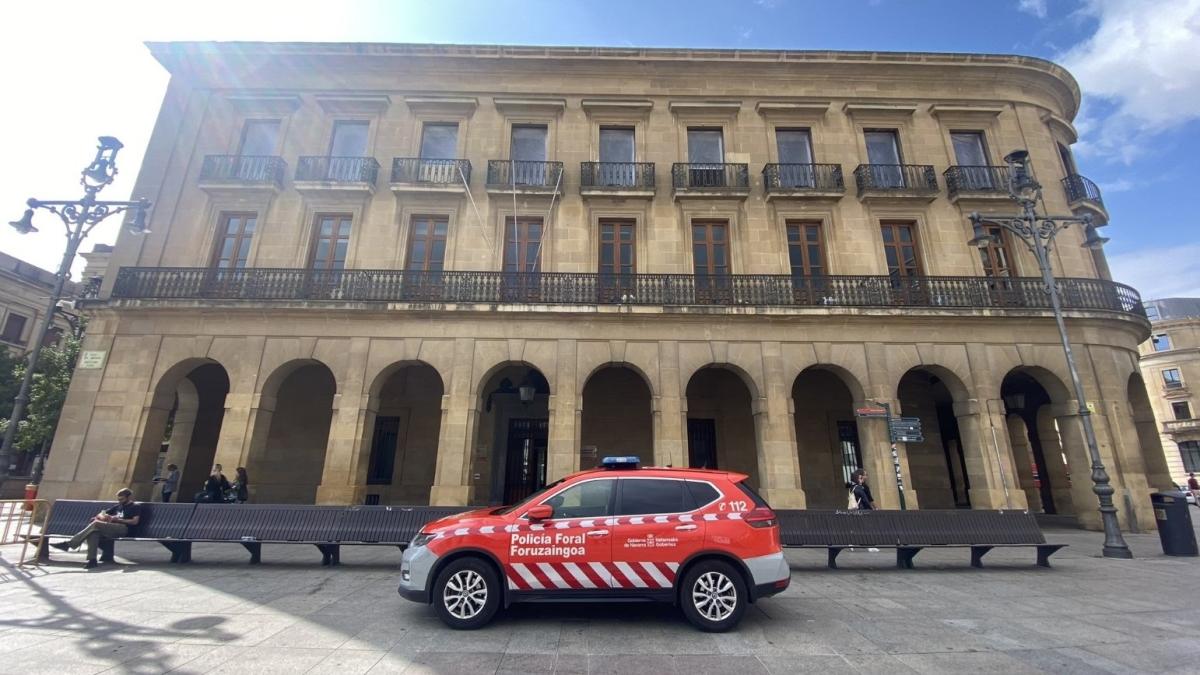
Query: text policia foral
540	544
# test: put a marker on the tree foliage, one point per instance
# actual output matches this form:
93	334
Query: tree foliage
47	393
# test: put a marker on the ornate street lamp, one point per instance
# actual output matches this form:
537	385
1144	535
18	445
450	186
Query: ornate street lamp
1038	234
79	217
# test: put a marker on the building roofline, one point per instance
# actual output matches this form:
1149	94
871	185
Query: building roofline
169	54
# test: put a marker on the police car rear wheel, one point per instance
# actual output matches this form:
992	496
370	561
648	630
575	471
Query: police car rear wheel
466	594
713	596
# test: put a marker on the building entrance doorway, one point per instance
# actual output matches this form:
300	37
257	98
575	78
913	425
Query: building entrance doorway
525	463
702	443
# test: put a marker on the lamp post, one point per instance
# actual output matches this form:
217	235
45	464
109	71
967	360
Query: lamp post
79	217
1038	234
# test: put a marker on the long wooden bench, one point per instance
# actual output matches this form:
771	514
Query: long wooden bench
910	532
162	523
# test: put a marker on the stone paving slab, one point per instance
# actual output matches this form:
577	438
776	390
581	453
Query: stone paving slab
290	615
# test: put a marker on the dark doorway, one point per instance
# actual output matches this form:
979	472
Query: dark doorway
525	464
383	450
702	443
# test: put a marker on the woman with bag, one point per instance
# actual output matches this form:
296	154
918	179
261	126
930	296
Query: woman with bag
241	486
214	487
859	497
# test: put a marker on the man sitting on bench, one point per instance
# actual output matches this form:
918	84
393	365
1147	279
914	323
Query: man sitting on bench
111	523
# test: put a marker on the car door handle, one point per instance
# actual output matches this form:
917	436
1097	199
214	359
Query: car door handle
689	526
597	533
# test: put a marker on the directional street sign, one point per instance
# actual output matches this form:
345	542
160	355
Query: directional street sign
871	412
905	430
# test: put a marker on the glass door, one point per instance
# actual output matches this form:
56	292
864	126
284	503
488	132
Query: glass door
706	158
795	158
616	158
883	158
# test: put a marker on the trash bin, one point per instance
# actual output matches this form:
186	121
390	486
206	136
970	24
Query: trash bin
1174	523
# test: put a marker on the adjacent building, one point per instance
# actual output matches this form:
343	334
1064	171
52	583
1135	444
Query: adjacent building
1171	366
24	292
392	273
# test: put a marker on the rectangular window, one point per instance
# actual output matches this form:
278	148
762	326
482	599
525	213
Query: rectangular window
259	137
332	242
805	251
528	143
522	245
969	149
618	253
233	245
1160	342
883	156
995	257
1189	452
1182	410
705	146
439	141
1152	312
710	261
1068	161
14	328
1171	378
349	139
616	144
900	250
795	157
427	244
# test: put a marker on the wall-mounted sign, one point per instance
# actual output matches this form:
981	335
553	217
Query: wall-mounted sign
91	359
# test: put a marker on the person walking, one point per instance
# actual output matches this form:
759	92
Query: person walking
216	485
241	485
111	523
1194	487
169	482
860	498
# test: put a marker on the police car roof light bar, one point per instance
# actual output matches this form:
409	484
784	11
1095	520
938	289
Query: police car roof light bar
626	462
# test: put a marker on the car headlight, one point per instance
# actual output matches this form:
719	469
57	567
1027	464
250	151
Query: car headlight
420	540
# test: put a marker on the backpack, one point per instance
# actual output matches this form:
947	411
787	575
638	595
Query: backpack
851	501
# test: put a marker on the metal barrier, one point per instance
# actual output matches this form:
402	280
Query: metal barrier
22	520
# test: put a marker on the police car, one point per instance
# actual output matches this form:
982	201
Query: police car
699	538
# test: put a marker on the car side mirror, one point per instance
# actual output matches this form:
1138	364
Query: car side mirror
540	512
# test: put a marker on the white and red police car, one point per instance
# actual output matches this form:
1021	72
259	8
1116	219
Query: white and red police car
702	539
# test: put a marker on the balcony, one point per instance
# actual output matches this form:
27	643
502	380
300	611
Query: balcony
803	181
896	181
1083	194
337	174
413	174
224	173
616	179
984	183
711	180
1182	427
538	178
561	288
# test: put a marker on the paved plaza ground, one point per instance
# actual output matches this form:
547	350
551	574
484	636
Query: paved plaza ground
290	615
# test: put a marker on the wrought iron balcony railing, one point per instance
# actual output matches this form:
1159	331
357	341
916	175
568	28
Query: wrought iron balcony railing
900	179
433	171
338	169
616	175
976	179
246	169
803	177
1081	189
610	289
710	176
508	172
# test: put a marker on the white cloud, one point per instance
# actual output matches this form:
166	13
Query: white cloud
1034	7
1165	272
1144	61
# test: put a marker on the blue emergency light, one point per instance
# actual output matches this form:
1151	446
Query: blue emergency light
626	462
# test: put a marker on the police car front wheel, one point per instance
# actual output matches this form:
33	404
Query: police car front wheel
466	594
713	596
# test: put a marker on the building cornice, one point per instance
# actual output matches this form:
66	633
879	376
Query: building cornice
175	57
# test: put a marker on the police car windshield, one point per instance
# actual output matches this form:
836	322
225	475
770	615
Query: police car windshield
530	498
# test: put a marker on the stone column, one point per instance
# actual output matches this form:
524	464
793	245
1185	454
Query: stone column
670	410
775	436
343	476
1017	435
1083	499
989	460
877	459
565	408
134	465
451	482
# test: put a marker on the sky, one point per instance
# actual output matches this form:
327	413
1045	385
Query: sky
73	71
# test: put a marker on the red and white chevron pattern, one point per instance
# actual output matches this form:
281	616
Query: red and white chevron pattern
589	523
584	575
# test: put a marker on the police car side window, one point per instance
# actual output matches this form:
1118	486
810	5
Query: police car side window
589	499
702	493
641	496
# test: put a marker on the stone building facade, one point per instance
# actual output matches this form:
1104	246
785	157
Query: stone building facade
449	274
1171	366
24	290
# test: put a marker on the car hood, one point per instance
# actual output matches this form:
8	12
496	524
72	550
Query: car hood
482	516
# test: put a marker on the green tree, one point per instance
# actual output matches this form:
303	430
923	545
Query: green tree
46	394
10	382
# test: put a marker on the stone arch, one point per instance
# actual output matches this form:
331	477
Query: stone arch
942	466
635	368
491	372
617	416
1158	474
721	426
1057	463
510	455
827	437
401	427
181	425
286	461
